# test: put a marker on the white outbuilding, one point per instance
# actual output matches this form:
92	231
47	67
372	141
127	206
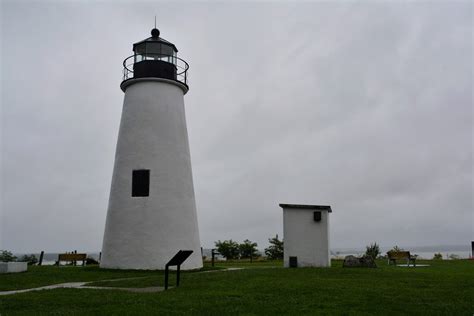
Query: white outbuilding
306	235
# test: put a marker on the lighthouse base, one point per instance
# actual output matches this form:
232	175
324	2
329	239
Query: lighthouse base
122	262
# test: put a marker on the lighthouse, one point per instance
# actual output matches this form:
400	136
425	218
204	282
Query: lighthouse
152	210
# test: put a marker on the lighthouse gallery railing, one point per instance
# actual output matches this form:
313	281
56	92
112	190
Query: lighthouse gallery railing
181	66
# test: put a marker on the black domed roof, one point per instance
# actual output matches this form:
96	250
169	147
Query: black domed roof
155	38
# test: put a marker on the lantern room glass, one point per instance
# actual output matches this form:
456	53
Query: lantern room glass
154	50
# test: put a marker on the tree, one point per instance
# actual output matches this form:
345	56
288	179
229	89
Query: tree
396	249
6	256
248	249
372	251
438	256
229	249
275	250
31	259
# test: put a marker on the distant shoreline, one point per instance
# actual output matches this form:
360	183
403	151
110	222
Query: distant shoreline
423	252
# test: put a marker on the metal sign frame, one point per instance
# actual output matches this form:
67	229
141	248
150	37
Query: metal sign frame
177	261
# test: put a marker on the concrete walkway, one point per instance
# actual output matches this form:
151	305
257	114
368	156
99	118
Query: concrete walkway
73	285
222	270
83	285
150	289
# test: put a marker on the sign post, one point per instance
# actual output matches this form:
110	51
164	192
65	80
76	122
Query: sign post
177	261
214	253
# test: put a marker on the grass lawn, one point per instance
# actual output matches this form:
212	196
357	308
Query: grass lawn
445	287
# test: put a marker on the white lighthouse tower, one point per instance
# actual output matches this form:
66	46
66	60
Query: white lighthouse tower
152	210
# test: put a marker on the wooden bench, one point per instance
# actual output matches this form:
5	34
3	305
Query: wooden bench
393	256
72	257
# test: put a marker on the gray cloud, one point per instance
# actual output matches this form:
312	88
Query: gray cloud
366	107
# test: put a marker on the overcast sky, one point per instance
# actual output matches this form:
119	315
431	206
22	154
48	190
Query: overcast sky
364	106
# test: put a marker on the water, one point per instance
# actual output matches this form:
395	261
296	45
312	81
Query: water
423	252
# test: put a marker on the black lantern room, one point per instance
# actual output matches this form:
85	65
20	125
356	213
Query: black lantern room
155	57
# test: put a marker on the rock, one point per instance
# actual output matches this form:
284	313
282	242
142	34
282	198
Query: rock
362	262
350	261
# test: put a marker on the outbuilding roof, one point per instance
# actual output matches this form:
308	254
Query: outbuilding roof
308	207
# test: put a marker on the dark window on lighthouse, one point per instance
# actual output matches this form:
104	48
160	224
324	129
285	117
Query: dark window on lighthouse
141	182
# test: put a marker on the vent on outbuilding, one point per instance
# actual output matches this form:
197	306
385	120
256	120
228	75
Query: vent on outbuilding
317	216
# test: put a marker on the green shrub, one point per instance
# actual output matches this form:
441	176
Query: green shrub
31	259
275	250
248	249
438	256
229	249
90	261
372	251
6	256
